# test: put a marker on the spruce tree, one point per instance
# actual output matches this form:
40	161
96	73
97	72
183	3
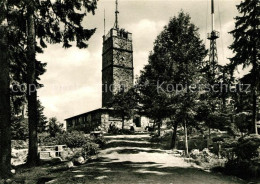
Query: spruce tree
44	21
60	21
246	47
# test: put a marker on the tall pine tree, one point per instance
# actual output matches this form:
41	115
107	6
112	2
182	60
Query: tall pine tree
47	21
54	22
246	47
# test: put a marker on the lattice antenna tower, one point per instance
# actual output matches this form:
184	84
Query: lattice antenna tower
213	36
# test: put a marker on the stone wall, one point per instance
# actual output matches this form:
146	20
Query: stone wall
117	63
122	77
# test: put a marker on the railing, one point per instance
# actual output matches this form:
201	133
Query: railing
213	35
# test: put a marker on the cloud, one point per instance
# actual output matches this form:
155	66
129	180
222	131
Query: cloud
145	32
72	80
70	102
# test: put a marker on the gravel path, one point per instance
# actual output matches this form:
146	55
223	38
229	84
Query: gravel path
132	159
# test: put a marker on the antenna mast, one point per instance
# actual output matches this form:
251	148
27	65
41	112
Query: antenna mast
213	36
116	13
212	15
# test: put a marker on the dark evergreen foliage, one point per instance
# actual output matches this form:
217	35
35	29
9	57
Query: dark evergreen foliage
246	47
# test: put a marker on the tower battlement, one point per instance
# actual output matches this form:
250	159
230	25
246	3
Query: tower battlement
120	33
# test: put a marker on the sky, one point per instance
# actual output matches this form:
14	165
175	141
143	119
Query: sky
72	83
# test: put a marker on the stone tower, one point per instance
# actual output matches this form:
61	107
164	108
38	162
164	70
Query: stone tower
117	62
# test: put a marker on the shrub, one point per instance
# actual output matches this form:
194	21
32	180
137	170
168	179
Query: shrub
126	132
113	130
155	138
80	144
76	154
247	147
243	168
89	149
100	141
243	160
47	141
117	131
73	139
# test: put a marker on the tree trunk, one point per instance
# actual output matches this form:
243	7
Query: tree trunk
232	123
159	128
174	135
209	136
31	90
219	150
123	121
255	82
254	107
186	139
5	109
254	119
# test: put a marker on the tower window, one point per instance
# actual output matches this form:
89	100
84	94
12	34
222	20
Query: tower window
123	86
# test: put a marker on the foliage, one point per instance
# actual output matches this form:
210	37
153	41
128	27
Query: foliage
54	127
73	139
89	149
19	144
47	140
19	128
116	131
243	155
49	21
100	141
19	125
246	34
113	129
43	123
55	21
126	132
172	71
125	103
242	169
247	147
246	46
76	140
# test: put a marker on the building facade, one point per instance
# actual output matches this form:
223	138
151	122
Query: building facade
103	118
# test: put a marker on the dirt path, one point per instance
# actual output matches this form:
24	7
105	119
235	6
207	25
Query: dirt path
132	159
